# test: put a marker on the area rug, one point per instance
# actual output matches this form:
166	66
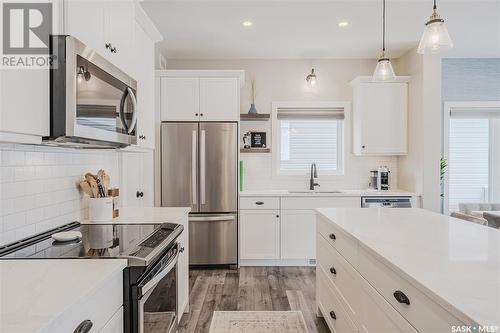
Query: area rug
258	322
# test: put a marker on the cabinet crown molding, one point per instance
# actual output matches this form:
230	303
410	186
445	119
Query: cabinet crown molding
202	73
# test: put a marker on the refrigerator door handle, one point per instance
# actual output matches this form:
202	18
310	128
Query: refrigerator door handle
212	218
194	152
202	167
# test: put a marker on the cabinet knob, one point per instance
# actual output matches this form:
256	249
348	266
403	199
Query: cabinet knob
143	137
333	315
363	146
401	297
332	237
113	50
139	194
196	114
108	45
259	203
333	270
181	250
277	216
201	114
84	327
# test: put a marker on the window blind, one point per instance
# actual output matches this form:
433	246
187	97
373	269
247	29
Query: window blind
468	161
476	113
310	113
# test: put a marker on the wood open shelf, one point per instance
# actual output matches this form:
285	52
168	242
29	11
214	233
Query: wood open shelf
255	116
255	150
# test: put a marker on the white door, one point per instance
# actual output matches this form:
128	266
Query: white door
120	32
85	20
180	99
259	234
219	99
137	186
298	234
144	74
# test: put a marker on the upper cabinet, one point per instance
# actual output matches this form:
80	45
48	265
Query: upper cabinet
200	95
106	26
380	116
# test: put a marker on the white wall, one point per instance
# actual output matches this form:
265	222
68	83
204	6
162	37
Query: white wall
39	186
284	80
419	170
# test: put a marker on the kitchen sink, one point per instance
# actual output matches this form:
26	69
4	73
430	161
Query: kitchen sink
315	192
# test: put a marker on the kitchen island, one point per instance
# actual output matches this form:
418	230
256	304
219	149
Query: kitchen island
49	296
406	270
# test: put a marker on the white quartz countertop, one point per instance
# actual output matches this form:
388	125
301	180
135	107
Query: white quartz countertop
324	193
455	262
145	215
34	293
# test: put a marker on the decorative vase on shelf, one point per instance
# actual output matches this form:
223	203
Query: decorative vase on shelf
252	109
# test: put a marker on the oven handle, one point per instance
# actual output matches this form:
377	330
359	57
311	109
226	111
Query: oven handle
154	281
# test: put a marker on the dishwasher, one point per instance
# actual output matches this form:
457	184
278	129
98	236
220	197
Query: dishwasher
386	202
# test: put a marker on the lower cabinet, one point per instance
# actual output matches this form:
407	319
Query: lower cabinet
259	234
298	234
183	270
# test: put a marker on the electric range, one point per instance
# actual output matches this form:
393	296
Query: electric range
150	279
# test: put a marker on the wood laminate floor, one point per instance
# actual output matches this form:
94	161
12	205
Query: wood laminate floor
251	289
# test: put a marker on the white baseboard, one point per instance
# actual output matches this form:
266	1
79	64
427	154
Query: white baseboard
275	262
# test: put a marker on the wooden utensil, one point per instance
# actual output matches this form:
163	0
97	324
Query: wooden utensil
93	185
84	185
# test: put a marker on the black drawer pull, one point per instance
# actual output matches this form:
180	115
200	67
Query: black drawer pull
401	297
260	203
84	327
333	270
332	237
333	315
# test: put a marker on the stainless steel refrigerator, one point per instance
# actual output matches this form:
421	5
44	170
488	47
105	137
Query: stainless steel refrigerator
199	163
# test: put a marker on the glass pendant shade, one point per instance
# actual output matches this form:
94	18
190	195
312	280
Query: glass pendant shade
435	37
384	71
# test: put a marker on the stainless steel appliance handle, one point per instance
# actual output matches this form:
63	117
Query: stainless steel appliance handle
212	218
134	114
194	154
203	161
154	281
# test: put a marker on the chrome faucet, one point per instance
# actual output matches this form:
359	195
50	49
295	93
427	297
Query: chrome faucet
314	174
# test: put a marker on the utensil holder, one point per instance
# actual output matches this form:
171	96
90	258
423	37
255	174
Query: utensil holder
101	209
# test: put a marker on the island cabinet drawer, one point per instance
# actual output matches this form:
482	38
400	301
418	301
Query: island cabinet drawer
338	239
342	276
260	203
331	306
418	309
98	307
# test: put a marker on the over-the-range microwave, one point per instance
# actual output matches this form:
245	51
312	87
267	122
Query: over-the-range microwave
93	104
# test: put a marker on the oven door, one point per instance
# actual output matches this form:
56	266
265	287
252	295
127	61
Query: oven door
157	299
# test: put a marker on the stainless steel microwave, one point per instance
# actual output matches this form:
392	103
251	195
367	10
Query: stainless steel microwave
92	103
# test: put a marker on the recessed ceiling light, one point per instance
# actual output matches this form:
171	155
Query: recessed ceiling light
247	23
343	24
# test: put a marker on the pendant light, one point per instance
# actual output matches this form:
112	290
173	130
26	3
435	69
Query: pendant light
435	37
384	71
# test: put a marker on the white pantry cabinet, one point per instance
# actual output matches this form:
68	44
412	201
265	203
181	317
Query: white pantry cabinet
259	234
380	117
105	26
200	95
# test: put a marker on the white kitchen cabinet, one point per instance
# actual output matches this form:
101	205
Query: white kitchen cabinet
180	99
219	99
144	60
183	270
298	234
259	234
380	117
105	26
137	184
115	324
200	95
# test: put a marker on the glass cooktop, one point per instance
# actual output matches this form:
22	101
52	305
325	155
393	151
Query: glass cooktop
140	243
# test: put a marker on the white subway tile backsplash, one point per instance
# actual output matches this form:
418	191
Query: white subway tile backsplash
39	186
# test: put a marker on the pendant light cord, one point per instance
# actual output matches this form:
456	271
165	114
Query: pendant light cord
383	26
435	6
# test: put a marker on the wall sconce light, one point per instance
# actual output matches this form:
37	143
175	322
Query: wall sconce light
311	78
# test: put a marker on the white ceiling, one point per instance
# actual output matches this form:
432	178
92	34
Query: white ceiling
308	29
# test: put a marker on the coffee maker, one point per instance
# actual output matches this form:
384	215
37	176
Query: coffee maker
380	179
